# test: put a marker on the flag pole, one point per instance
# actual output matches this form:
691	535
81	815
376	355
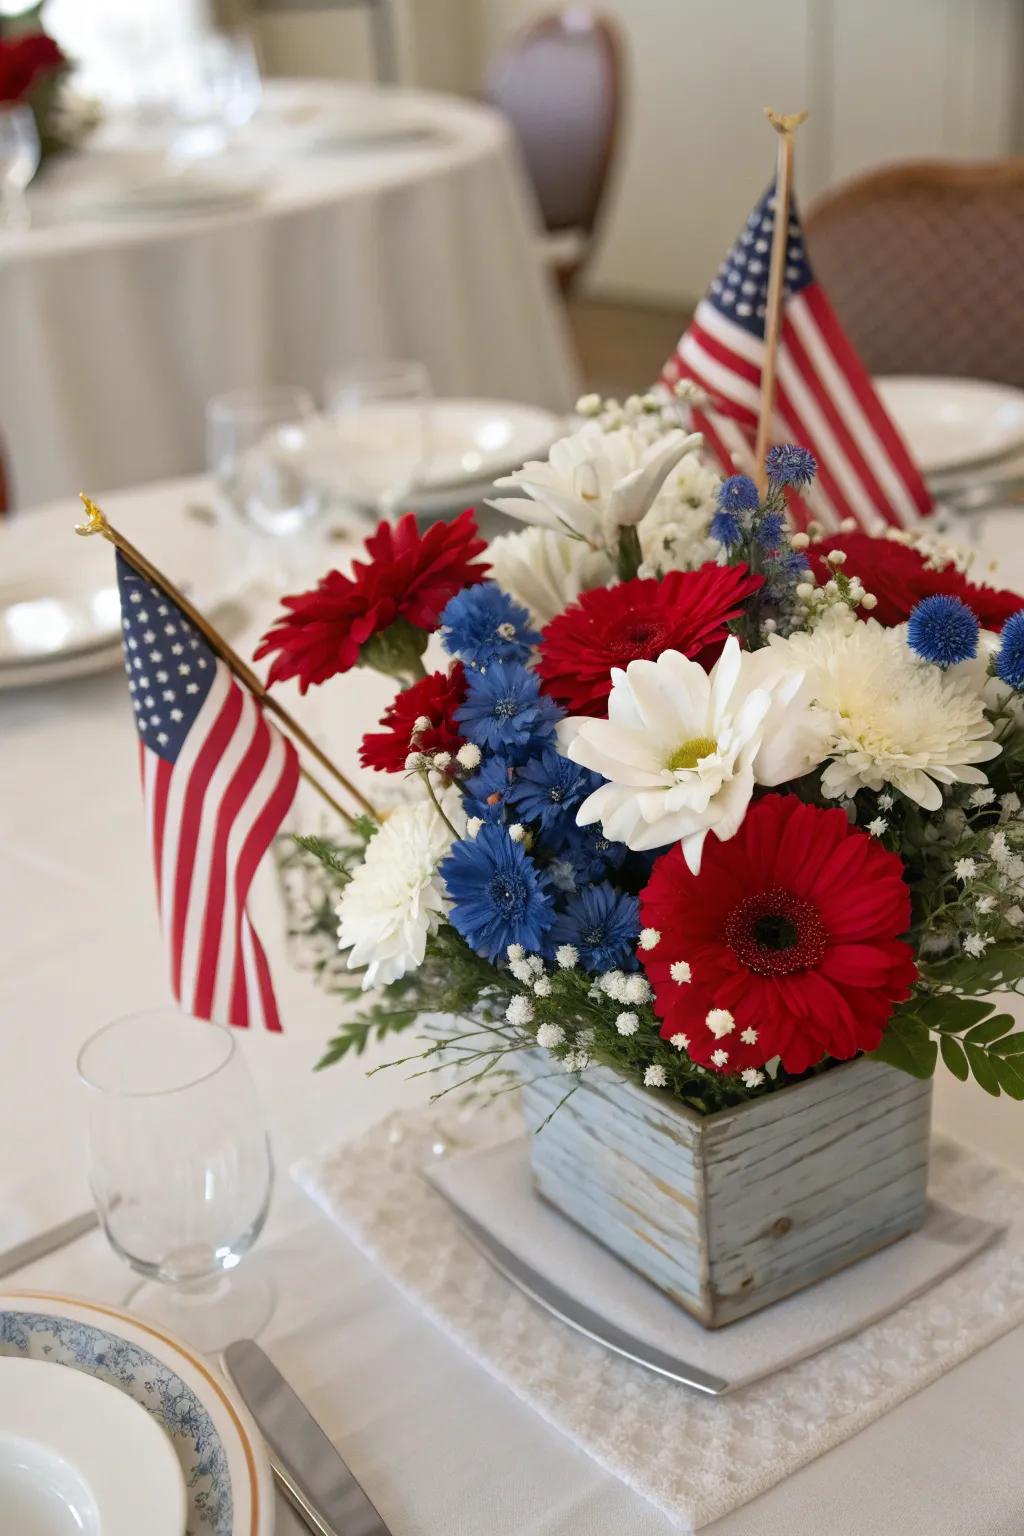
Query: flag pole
97	523
784	126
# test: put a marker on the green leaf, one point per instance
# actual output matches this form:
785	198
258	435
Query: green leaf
954	1058
983	1068
948	1011
907	1045
1010	1072
1002	965
992	1029
1009	1045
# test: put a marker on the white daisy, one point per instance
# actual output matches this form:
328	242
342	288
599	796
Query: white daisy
891	718
550	1035
655	1076
627	1023
682	749
395	898
546	571
595	482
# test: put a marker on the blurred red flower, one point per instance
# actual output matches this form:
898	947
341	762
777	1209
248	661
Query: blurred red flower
24	60
786	944
408	578
686	611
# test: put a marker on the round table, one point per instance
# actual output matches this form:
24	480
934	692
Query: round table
438	1444
116	332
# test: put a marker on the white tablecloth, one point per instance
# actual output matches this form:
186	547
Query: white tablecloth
116	333
440	1446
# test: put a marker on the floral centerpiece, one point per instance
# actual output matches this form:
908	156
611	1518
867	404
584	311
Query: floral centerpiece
34	72
694	797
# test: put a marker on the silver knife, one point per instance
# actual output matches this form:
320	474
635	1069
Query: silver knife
33	1248
307	1467
568	1310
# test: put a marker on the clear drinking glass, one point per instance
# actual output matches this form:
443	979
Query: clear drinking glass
19	161
181	1170
219	93
254	448
381	412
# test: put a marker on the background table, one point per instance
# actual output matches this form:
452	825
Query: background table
440	1446
115	333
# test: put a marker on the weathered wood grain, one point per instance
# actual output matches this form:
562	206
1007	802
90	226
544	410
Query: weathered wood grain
729	1212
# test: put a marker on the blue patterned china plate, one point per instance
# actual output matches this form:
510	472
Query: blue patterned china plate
227	1475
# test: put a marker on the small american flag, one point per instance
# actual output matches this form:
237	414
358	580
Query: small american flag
824	399
217	781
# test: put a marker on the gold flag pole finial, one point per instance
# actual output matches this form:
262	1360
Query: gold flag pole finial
785	124
96	522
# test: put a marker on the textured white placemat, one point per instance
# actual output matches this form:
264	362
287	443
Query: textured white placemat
494	1186
694	1457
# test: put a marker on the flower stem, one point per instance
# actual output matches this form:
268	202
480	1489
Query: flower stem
425	776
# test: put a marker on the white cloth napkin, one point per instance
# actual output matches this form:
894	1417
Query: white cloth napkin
694	1457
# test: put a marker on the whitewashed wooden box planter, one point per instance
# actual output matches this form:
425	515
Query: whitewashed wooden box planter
729	1212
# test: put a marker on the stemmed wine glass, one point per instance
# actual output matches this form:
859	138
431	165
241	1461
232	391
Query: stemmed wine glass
181	1170
381	414
19	160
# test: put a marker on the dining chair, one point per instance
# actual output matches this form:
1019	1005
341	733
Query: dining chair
379	17
923	264
559	83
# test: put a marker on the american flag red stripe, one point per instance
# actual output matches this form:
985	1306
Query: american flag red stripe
824	398
217	782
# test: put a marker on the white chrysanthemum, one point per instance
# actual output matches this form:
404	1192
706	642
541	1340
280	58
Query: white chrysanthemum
674	535
682	748
395	898
595	482
892	719
546	571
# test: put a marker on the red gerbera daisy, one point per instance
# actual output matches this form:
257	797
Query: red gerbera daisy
435	698
609	627
899	577
786	944
408	578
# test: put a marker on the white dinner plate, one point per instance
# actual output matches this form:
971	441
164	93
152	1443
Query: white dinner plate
471	442
60	614
80	1458
343	118
228	1486
951	425
137	187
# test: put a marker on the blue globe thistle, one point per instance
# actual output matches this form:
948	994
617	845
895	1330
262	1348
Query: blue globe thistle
482	624
738	494
725	527
789	464
550	787
486	793
943	630
1010	656
603	924
499	896
769	529
505	708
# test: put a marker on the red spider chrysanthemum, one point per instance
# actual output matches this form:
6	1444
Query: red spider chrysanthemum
435	698
899	577
609	627
786	944
407	577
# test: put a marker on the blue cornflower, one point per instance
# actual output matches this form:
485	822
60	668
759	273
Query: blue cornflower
788	464
768	530
485	794
738	494
725	527
549	788
943	630
585	852
499	896
603	924
482	624
1010	657
504	707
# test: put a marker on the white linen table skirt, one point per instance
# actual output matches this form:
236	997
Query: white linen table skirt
116	333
